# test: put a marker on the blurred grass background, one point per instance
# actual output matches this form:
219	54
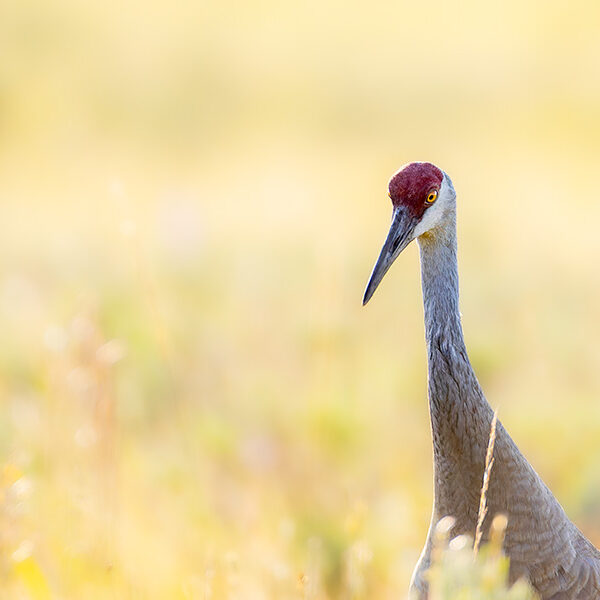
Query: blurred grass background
193	402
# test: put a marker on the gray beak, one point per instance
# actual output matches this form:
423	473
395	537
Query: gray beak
399	236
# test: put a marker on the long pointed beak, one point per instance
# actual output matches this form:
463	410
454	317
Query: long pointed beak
399	236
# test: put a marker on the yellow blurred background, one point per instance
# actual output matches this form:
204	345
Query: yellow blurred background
194	404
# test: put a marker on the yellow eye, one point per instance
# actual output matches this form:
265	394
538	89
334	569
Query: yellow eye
431	197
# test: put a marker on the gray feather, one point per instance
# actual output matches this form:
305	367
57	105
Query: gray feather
544	546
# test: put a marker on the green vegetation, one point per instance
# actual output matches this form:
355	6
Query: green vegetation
458	574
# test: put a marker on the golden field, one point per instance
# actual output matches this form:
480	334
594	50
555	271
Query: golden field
194	404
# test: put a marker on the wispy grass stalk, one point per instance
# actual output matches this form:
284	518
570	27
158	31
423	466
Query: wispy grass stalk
489	463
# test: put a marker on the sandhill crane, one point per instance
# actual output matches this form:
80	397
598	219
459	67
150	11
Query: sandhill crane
543	544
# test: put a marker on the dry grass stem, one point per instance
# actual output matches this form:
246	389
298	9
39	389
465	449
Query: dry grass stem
489	462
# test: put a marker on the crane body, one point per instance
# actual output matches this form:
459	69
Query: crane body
544	546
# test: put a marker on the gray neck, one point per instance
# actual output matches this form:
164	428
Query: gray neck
458	409
460	428
439	277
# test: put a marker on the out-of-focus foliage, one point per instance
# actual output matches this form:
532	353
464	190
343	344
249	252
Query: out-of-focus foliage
193	403
458	574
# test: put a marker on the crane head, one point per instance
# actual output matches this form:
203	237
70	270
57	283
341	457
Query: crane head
423	200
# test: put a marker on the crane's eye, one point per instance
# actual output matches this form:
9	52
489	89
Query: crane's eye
431	196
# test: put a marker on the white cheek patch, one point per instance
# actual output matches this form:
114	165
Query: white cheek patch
435	214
